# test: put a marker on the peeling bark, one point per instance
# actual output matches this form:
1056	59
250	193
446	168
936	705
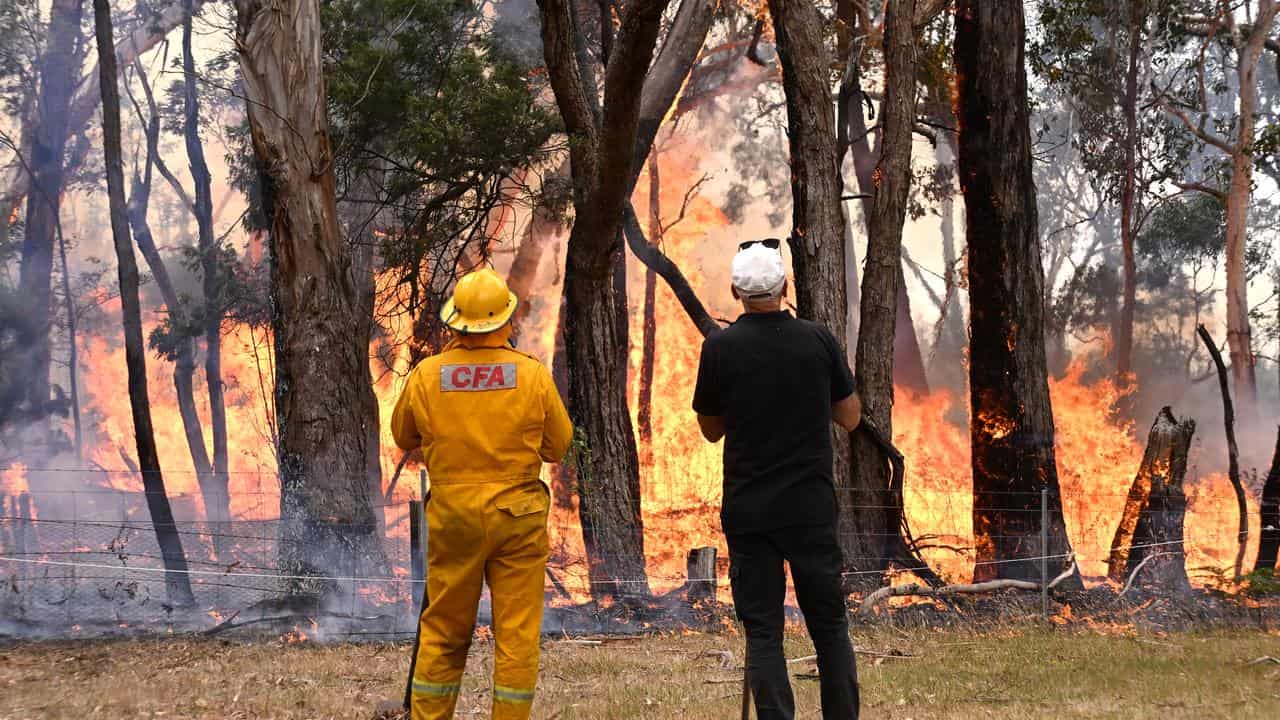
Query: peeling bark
854	137
327	523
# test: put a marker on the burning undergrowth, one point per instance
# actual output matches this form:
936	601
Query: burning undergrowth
95	518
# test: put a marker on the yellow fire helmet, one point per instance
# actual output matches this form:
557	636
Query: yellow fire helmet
481	303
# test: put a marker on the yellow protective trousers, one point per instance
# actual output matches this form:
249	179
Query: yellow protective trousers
478	533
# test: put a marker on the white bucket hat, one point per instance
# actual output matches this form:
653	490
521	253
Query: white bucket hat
758	272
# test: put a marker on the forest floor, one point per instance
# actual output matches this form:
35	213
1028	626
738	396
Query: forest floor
1028	671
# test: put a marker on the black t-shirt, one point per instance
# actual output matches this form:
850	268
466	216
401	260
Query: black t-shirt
773	378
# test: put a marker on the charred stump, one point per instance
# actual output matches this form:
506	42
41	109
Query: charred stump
1150	530
1269	543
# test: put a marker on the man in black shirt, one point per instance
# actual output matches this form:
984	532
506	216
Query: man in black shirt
771	385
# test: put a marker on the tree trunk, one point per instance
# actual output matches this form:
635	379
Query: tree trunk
868	529
621	314
1233	450
1128	197
73	352
908	370
601	153
1150	529
361	214
212	492
564	477
177	582
327	523
854	137
1269	544
1011	429
1239	197
950	341
58	66
217	501
648	343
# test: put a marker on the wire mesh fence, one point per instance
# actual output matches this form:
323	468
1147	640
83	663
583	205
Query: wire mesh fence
88	559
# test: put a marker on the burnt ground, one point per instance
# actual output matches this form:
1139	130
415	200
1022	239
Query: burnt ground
1097	607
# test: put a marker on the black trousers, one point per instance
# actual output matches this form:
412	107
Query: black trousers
759	586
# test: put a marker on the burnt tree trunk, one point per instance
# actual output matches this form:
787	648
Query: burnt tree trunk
869	529
601	152
327	524
1233	450
1150	529
177	582
59	64
217	497
648	340
182	349
1011	429
1269	543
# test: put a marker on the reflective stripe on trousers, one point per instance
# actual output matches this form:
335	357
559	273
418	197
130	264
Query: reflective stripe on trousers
478	533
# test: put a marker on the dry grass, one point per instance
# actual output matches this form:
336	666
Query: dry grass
1014	674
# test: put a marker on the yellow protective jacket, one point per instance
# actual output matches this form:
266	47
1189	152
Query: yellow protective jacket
482	412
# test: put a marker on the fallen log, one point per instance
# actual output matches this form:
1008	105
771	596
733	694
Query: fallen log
1150	527
870	602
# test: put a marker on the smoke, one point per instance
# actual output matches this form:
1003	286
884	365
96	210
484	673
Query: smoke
516	26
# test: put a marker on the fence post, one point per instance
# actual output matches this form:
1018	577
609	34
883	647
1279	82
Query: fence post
1044	552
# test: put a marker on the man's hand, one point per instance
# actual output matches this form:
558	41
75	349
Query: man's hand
847	413
712	427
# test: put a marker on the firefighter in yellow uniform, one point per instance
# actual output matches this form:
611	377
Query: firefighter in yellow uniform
486	417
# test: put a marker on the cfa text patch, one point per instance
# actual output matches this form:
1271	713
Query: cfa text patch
454	378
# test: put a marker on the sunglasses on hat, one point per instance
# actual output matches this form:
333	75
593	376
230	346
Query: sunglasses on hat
771	243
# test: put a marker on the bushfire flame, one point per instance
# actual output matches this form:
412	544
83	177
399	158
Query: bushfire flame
681	476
